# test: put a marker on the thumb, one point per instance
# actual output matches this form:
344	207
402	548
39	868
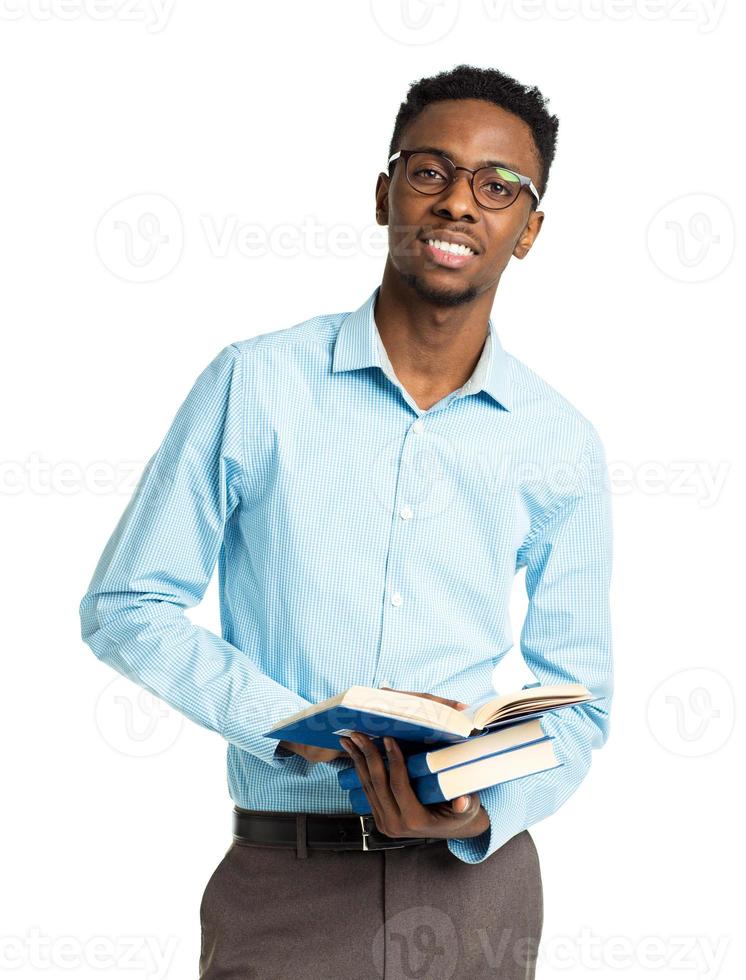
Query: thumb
461	804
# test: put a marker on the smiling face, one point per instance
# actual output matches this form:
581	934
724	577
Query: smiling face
471	132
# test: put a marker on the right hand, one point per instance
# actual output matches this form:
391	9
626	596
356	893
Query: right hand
313	753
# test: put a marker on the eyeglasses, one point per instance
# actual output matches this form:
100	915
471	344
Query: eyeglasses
493	188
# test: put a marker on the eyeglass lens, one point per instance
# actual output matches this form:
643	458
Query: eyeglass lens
494	187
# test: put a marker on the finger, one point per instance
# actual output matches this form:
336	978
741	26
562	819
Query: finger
363	773
378	777
401	786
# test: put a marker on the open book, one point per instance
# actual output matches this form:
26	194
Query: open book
377	712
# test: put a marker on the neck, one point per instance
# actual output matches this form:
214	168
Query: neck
433	348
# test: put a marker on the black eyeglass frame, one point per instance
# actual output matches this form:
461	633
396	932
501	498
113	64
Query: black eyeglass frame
406	154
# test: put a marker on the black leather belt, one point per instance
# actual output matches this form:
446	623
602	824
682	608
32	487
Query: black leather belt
322	831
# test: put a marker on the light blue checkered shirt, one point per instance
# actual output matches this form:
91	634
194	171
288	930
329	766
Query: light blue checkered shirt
361	540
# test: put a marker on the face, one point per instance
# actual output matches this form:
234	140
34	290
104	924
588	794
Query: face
471	132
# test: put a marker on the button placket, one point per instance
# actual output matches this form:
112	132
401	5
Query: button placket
396	600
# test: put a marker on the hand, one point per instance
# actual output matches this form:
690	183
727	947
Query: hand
396	810
312	752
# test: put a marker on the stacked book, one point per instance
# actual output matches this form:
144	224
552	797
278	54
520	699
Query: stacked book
448	753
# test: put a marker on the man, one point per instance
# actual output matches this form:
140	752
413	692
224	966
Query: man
369	483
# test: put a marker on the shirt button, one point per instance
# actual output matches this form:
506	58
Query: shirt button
396	599
406	513
418	426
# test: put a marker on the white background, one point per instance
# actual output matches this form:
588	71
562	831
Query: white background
244	118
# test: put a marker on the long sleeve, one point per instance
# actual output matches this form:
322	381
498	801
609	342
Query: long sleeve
159	561
566	638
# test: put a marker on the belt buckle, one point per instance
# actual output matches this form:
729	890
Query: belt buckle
370	832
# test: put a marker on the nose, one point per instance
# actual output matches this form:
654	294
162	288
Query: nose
457	201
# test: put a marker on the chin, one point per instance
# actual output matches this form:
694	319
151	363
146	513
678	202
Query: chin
438	295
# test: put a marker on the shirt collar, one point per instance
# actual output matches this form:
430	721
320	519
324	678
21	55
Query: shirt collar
358	345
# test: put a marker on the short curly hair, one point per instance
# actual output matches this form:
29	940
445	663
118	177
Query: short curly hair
469	82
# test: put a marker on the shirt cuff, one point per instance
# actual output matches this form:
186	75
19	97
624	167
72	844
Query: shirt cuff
472	850
507	818
265	704
289	761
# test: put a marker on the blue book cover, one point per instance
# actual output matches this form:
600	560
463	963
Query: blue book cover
504	767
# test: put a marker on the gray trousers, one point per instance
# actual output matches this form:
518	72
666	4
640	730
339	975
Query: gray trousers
413	912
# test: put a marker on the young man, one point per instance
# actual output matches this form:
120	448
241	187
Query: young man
369	483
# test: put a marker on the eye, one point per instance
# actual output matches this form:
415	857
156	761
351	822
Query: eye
428	173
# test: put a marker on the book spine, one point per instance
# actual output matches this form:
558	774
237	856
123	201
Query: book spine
417	765
359	801
348	778
427	789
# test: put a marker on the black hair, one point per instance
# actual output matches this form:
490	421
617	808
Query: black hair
468	82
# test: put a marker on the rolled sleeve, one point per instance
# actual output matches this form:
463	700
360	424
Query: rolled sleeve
566	638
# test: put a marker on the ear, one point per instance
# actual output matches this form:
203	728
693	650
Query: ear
382	199
528	235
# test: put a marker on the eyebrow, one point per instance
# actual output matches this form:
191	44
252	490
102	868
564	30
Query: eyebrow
482	163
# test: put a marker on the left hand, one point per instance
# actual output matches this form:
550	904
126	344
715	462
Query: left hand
396	810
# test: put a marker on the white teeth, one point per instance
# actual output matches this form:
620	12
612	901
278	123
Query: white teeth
449	247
